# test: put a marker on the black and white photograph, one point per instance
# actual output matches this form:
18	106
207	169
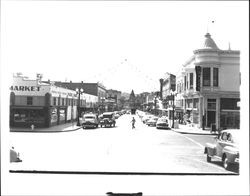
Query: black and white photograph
124	97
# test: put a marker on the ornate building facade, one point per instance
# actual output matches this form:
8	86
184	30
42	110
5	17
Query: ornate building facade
208	86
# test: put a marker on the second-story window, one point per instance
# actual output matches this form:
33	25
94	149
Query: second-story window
185	82
29	100
54	101
216	76
191	80
206	76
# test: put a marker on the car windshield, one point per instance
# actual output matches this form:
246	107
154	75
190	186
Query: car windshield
107	116
235	138
89	117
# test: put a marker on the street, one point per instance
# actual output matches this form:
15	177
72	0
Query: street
119	149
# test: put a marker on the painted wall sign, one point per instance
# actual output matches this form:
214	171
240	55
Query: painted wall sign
25	88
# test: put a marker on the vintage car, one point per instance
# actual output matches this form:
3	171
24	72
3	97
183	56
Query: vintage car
90	121
108	119
146	118
225	148
14	155
152	121
162	123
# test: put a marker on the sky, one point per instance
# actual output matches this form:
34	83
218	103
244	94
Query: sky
124	45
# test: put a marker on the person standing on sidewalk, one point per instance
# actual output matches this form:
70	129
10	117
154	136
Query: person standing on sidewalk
203	122
133	122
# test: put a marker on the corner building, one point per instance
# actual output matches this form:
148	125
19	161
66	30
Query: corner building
208	86
43	103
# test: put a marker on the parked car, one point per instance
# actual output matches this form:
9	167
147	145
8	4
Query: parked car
162	123
146	118
90	121
108	119
225	148
117	115
14	155
152	121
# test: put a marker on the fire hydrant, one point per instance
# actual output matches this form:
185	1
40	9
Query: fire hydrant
32	127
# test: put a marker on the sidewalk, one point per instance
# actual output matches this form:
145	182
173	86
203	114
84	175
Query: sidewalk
187	129
58	128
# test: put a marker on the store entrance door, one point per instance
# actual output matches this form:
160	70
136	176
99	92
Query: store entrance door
211	117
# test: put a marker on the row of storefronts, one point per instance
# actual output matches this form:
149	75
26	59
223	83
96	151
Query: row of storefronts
44	104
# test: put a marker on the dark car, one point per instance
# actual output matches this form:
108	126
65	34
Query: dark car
224	148
108	119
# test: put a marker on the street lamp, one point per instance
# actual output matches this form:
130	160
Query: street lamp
155	101
79	92
173	106
102	100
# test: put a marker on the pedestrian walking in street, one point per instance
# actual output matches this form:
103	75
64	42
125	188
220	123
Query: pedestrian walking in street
133	122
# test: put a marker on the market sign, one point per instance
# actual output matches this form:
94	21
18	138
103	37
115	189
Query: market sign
25	88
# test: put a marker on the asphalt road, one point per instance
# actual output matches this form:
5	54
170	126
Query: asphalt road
120	149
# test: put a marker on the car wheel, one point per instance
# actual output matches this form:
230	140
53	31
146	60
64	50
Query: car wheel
226	163
209	158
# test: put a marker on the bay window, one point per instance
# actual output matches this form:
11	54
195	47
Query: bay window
206	76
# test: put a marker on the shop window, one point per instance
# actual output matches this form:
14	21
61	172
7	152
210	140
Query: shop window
25	115
196	101
215	76
29	100
206	76
229	104
189	103
191	80
230	120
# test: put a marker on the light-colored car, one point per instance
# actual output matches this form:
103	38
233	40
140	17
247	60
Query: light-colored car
225	148
162	123
146	118
152	121
90	121
14	155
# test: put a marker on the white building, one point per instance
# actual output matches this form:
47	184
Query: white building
208	86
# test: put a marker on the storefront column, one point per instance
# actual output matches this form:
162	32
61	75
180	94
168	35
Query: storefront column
200	107
218	113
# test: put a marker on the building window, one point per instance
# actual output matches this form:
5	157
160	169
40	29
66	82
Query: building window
206	76
29	100
196	102
54	101
215	76
211	104
63	101
191	80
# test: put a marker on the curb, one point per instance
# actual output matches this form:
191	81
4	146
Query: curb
193	133
26	131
